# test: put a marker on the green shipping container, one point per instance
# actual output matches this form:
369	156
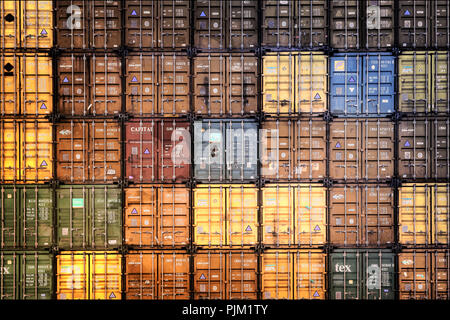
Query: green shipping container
362	274
26	275
26	217
89	217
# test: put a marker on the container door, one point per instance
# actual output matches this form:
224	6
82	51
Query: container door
174	205
414	31
241	271
345	215
175	20
440	24
241	150
141	216
311	21
141	275
278	83
9	206
441	83
346	276
141	89
72	275
414	161
345	82
209	276
414	214
9	80
106	85
72	27
277	277
9	266
440	149
310	215
36	84
174	150
278	215
209	150
9	154
441	274
9	26
242	84
311	150
414	275
441	210
278	25
210	24
309	275
105	276
242	24
345	144
37	24
141	24
174	85
379	275
36	276
345	19
379	24
106	24
174	276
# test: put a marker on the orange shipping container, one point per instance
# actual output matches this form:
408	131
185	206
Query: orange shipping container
157	275
225	275
157	215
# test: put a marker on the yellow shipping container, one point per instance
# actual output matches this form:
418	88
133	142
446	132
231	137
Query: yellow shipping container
294	215
89	275
441	208
26	24
26	151
26	84
290	274
295	82
225	215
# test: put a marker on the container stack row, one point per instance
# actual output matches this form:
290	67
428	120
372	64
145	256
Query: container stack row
196	149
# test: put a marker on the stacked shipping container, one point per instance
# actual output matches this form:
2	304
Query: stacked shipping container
197	149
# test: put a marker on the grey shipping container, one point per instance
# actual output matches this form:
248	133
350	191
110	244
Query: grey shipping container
225	150
424	24
362	150
424	148
26	275
362	24
26	216
229	24
362	274
295	23
89	217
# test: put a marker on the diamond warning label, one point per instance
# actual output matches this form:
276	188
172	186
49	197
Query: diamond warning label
43	32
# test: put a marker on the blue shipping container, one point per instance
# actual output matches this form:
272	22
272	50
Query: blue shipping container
362	84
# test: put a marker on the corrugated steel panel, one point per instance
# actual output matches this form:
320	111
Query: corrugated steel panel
225	215
89	217
361	215
89	275
88	151
291	274
362	84
345	20
440	222
362	150
225	275
157	216
362	274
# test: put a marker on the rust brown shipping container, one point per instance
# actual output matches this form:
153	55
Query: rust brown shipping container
88	24
88	151
157	84
361	215
362	150
295	23
225	275
157	215
293	150
161	24
89	84
157	150
226	24
424	274
225	84
157	275
424	148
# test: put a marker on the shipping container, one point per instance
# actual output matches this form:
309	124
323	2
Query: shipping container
89	84
295	23
157	24
424	82
157	216
88	216
225	84
293	215
225	275
157	275
424	149
361	215
88	24
157	150
225	215
290	274
26	151
424	24
362	150
225	150
26	275
26	24
26	84
362	84
362	24
157	84
293	150
88	151
440	223
89	275
226	24
26	216
357	274
424	274
295	83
